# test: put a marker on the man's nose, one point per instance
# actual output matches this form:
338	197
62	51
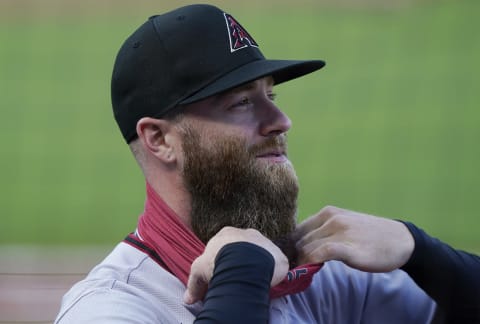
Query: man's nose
274	121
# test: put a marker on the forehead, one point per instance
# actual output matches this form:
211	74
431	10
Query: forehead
265	81
261	84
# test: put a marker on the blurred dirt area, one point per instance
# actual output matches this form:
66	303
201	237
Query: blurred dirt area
34	279
69	8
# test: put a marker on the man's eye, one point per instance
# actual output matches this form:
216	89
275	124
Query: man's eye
243	102
272	96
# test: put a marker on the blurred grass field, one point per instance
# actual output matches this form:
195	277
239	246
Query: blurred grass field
390	126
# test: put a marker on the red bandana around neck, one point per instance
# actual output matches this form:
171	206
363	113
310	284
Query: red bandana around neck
161	230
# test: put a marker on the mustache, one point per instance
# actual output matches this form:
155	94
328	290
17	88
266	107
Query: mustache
272	143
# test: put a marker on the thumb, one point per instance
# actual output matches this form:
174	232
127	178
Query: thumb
197	284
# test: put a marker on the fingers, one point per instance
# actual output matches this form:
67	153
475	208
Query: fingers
362	241
321	250
314	222
197	284
196	290
281	265
320	226
329	235
202	268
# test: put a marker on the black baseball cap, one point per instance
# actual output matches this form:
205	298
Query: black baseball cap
186	55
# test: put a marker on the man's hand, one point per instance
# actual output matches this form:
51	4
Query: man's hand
202	268
361	241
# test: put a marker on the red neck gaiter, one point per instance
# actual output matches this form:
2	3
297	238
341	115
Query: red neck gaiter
161	230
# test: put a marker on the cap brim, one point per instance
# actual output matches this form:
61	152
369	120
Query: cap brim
280	70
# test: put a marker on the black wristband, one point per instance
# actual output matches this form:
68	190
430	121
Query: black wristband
451	277
239	289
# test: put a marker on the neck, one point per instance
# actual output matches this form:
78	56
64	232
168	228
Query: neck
173	193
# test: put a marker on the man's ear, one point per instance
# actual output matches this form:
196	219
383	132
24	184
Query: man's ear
157	137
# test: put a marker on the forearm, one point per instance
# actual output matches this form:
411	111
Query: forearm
239	289
449	276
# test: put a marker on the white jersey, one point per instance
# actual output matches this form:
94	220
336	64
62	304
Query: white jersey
130	287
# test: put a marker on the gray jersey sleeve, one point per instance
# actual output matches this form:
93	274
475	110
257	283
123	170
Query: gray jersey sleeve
340	294
106	305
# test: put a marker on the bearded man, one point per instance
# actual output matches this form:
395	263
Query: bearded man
218	241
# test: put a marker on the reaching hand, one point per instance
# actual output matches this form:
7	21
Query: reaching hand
361	241
202	268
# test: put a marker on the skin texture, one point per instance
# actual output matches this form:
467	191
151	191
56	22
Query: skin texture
202	267
249	114
362	241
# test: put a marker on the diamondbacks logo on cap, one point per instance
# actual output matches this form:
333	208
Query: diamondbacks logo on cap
239	37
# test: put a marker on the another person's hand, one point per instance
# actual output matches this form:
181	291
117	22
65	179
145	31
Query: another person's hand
202	268
361	241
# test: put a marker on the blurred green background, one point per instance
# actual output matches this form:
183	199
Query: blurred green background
389	127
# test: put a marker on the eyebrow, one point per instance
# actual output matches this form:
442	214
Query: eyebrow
253	84
247	86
